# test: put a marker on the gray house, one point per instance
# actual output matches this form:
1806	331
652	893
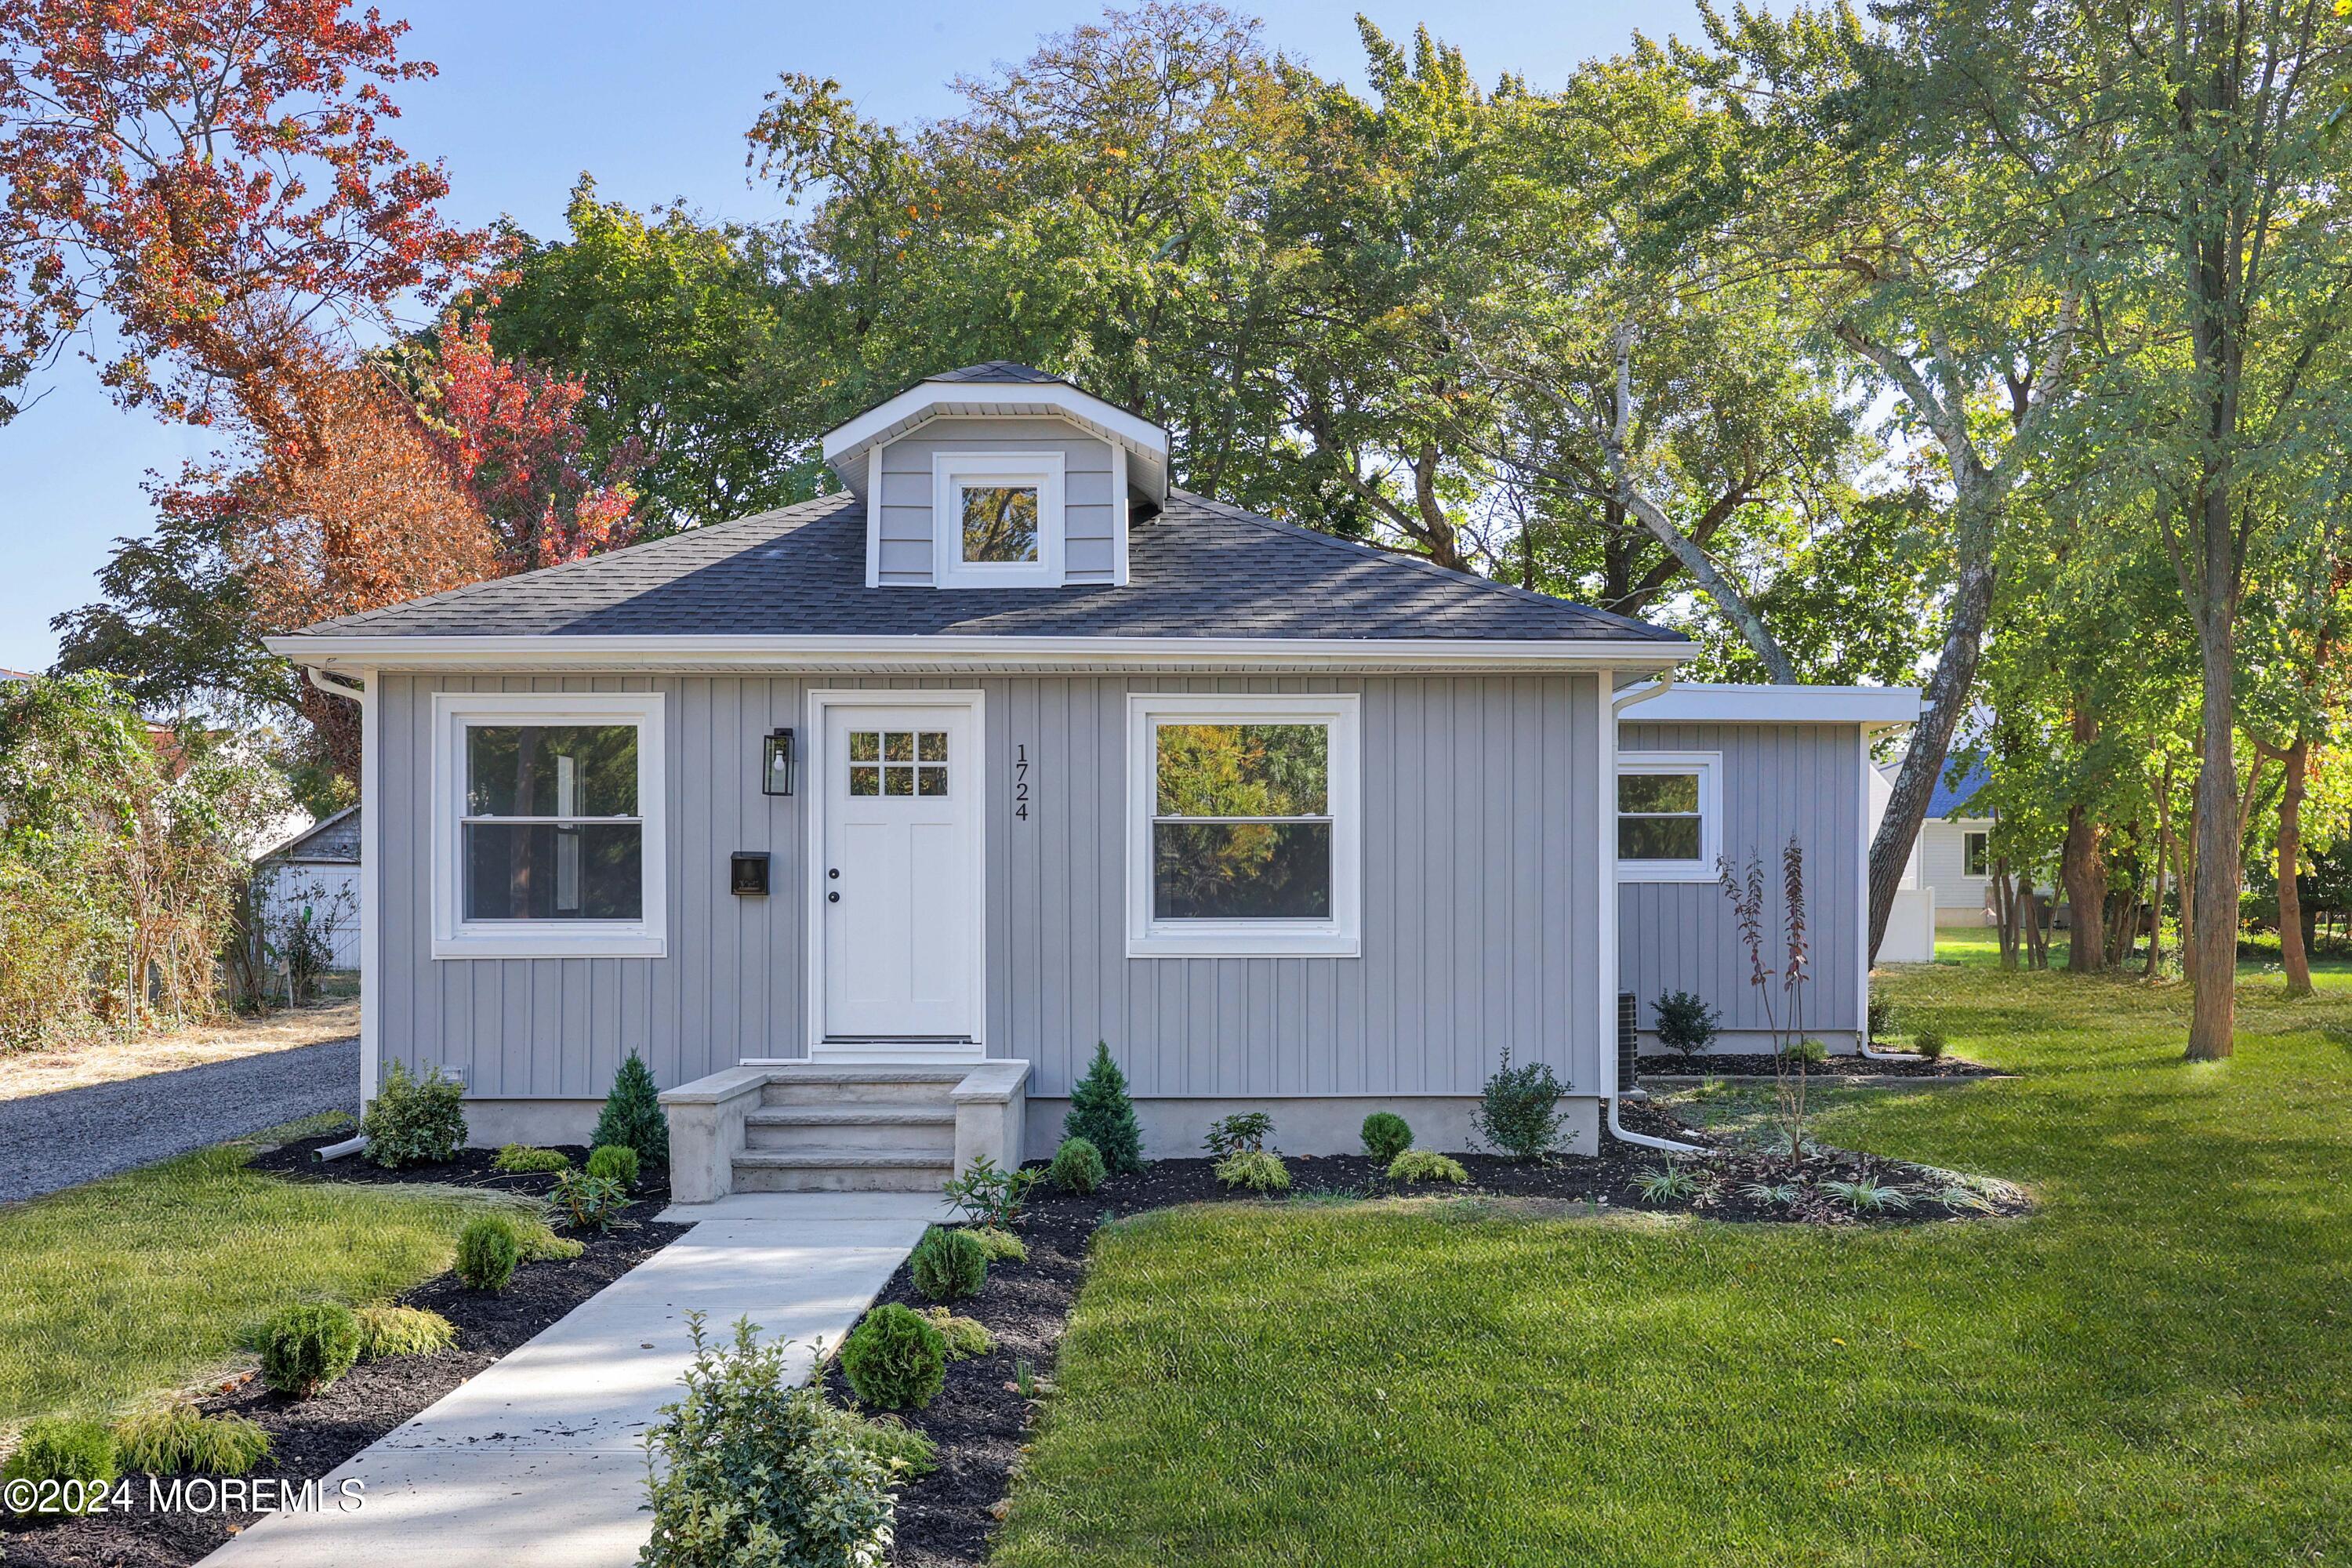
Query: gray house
865	819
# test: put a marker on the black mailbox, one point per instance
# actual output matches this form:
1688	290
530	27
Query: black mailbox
747	876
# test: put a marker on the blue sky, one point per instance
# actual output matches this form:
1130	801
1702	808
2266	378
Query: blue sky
653	101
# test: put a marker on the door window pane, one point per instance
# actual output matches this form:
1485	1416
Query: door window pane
864	781
864	745
931	780
1000	522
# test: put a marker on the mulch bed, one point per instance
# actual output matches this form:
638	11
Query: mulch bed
1760	1064
308	1437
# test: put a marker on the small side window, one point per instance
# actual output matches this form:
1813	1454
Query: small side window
1975	859
1667	814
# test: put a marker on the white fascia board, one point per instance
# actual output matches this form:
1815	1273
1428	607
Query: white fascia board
910	404
1870	706
866	653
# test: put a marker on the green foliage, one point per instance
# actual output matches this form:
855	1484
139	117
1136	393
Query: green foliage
1426	1165
1244	1130
895	1359
1670	1183
487	1253
948	1264
1928	1043
180	1439
403	1330
615	1162
307	1346
907	1452
1778	1194
1386	1135
1686	1023
1809	1051
584	1201
520	1159
1882	1016
632	1116
1518	1110
414	1120
1868	1195
1001	1245
965	1337
1101	1113
79	1453
1077	1167
750	1469
987	1195
1256	1170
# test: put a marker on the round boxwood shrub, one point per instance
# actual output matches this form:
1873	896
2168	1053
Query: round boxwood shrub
487	1253
616	1162
1427	1165
78	1455
948	1264
308	1346
895	1359
1386	1135
1077	1166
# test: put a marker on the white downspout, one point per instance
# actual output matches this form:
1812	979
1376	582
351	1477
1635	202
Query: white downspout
1658	687
371	923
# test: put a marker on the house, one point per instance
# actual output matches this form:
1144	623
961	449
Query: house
865	818
318	869
1951	861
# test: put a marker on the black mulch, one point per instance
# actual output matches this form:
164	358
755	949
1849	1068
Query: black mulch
1761	1064
310	1436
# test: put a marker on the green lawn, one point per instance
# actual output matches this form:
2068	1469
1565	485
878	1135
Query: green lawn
125	1288
2155	1368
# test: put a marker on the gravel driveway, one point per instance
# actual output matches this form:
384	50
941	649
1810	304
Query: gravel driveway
52	1141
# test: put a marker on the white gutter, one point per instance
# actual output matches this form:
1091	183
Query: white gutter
370	858
1638	694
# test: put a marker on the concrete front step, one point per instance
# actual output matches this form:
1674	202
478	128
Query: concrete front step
860	1130
776	1171
849	1087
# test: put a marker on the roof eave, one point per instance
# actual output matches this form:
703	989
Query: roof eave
1871	707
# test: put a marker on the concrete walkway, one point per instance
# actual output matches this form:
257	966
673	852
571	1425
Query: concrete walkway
541	1460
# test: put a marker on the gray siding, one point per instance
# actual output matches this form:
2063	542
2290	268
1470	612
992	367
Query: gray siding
1481	898
905	531
1776	779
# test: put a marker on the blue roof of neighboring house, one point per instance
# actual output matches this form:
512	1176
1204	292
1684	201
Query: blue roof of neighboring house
1949	797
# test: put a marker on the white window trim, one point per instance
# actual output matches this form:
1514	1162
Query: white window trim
1986	870
453	712
1341	936
1708	766
950	472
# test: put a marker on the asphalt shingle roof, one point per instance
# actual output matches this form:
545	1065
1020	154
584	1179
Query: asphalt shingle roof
1949	797
1200	569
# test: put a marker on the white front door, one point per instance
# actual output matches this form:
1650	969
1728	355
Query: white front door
900	879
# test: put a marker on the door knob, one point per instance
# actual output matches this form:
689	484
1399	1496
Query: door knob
835	873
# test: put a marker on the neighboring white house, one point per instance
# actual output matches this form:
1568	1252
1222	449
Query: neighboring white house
318	869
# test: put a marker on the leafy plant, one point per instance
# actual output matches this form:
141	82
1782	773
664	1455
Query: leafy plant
894	1358
1518	1110
414	1120
1386	1135
987	1195
907	1452
615	1162
308	1346
521	1159
1687	1024
79	1454
1256	1170
1881	1016
180	1439
1928	1043
1868	1195
1809	1052
632	1116
752	1467
965	1337
1001	1246
487	1253
1101	1113
1956	1196
1426	1165
403	1330
948	1264
1077	1167
1670	1183
587	1202
1779	1194
1244	1131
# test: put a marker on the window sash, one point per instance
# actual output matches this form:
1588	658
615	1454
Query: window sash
1157	819
1701	770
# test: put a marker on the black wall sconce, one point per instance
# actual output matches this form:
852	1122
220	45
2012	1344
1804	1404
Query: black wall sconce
776	764
747	874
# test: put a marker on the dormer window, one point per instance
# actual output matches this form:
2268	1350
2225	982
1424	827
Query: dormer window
1003	516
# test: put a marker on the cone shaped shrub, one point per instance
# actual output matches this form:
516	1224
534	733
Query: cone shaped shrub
632	1114
1102	1114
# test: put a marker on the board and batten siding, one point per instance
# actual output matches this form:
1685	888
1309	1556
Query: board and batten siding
1482	898
904	534
1775	780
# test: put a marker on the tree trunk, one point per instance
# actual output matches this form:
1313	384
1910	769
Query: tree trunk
2005	913
2081	869
2213	951
2292	953
2163	855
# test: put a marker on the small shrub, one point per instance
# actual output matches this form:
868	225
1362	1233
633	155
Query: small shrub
1077	1166
1779	1194
414	1120
615	1162
1427	1165
534	1243
1386	1135
1671	1182
1809	1051
1256	1170
1929	1044
948	1264
1001	1245
1519	1111
306	1347
79	1456
1868	1195
750	1466
403	1330
180	1439
895	1359
907	1452
632	1116
1881	1016
1686	1023
965	1337
586	1202
1244	1132
487	1253
521	1159
1102	1114
987	1195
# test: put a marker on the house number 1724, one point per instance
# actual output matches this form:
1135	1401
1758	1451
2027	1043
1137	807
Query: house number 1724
1021	781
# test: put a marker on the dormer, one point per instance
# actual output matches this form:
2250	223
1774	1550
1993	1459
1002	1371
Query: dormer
997	476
